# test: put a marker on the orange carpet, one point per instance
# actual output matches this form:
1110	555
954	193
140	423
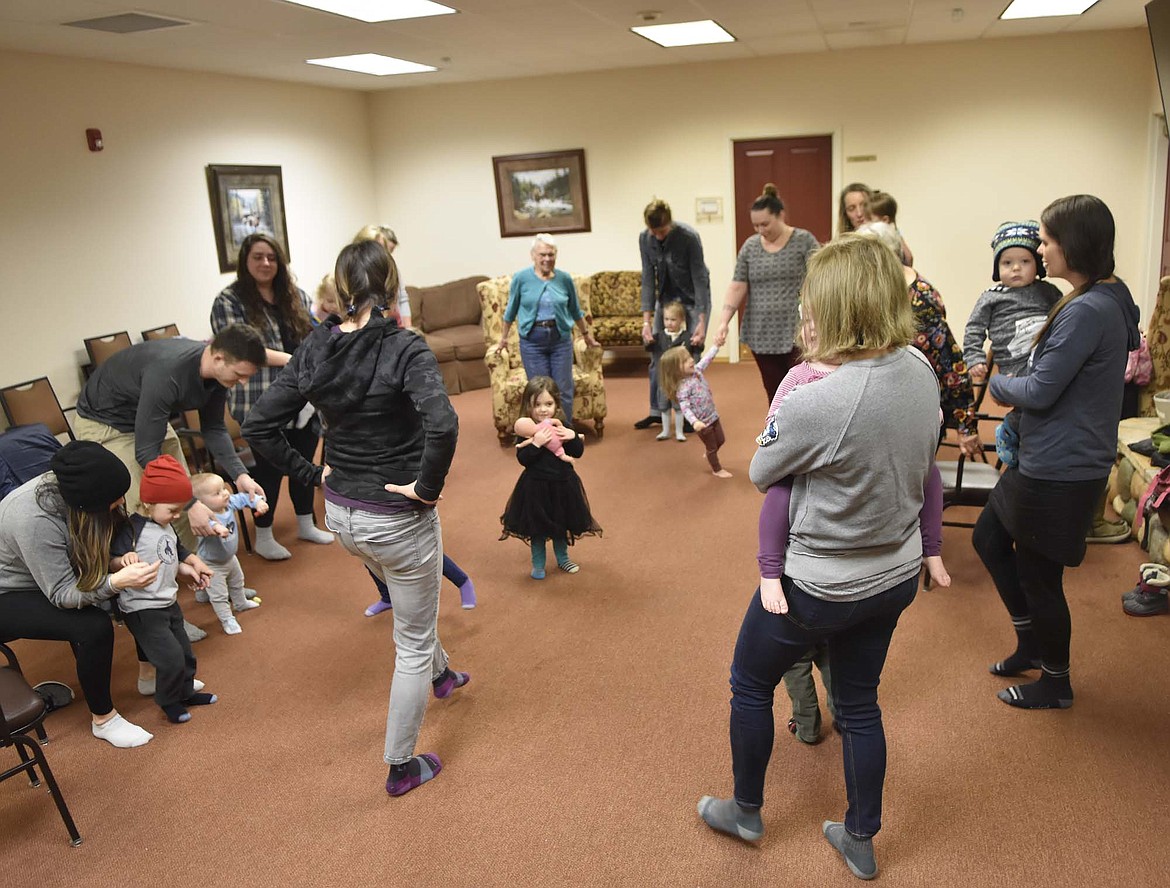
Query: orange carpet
597	715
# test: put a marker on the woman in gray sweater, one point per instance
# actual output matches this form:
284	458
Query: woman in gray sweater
55	534
1035	523
858	443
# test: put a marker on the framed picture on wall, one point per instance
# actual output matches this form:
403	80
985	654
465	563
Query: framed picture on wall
542	192
245	200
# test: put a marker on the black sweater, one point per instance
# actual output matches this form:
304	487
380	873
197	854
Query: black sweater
387	415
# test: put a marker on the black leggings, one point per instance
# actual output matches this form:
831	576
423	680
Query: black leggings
303	441
88	630
1030	585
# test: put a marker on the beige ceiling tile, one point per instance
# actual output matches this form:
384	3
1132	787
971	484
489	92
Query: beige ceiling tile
858	38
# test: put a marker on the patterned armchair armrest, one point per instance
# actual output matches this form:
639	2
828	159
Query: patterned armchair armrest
505	368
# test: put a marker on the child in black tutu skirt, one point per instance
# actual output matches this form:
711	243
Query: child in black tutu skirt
548	501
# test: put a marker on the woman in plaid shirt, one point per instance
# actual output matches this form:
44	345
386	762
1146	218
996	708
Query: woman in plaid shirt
265	297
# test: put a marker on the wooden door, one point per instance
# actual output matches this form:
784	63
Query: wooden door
802	171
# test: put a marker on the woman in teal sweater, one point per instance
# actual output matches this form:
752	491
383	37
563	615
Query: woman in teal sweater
544	301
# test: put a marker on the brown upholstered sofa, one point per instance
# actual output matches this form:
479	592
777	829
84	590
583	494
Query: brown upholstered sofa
616	300
448	317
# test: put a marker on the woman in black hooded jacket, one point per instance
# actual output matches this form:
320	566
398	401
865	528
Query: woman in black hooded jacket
390	434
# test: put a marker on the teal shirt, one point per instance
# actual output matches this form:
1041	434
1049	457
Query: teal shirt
524	299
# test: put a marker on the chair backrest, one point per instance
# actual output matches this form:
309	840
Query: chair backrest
100	348
34	401
168	331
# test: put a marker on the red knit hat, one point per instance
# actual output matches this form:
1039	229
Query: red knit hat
164	481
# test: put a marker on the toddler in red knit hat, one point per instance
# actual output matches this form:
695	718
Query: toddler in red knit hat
152	613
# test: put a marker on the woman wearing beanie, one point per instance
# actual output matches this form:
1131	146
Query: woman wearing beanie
55	535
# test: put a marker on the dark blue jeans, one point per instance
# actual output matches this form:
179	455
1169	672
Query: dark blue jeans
858	637
451	571
546	353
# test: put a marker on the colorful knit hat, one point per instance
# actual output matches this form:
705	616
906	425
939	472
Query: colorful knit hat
164	481
1024	234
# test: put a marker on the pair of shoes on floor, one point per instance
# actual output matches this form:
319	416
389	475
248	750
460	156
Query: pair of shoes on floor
648	421
146	686
56	694
1148	598
1104	531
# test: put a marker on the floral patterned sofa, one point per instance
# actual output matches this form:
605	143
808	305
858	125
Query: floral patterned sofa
507	372
616	299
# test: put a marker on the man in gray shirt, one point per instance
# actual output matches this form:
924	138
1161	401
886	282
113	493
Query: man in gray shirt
672	269
127	404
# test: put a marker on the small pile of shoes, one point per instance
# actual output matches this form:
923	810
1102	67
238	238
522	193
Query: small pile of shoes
1149	597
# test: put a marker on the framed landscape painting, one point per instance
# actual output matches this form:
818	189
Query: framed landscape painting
542	192
245	200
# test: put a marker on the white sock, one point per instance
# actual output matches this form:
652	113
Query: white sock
121	733
268	548
246	605
665	433
678	426
231	626
307	530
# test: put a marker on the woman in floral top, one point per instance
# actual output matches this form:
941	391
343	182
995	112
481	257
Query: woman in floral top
935	340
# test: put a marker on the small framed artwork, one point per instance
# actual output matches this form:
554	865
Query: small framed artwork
542	192
245	200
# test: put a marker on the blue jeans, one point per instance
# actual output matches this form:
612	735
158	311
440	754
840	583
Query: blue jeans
858	637
406	550
546	353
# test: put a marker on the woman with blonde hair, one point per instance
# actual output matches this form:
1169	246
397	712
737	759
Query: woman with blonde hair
859	442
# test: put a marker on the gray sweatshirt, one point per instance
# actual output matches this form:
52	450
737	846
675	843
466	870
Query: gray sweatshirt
1071	399
859	444
1010	317
34	550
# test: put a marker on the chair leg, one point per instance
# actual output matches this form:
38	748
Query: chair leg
29	762
42	735
54	789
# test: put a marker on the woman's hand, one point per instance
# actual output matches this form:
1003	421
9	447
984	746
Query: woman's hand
407	490
772	596
978	374
135	576
591	340
502	345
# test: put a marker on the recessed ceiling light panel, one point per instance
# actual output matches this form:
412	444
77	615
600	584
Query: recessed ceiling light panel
372	63
685	33
1025	9
378	10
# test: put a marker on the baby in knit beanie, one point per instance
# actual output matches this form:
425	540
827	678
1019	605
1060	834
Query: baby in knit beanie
152	613
1012	312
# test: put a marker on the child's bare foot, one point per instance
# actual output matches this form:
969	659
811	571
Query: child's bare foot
936	570
722	473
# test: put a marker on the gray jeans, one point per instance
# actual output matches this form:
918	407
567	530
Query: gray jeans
406	551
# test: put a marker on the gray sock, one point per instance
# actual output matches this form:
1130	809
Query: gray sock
726	816
858	853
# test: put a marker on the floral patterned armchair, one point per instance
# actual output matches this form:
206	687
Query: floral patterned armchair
507	372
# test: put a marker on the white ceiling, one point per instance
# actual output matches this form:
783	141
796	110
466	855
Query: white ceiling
495	39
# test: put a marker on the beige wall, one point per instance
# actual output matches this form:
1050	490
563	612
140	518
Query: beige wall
966	136
122	239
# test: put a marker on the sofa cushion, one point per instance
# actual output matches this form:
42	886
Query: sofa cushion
465	342
616	293
444	349
448	305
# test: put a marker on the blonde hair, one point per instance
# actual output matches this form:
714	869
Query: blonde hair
327	292
378	233
856	294
90	534
844	223
670	370
201	482
676	306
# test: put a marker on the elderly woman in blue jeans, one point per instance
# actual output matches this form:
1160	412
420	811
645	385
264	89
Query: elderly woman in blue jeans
543	301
